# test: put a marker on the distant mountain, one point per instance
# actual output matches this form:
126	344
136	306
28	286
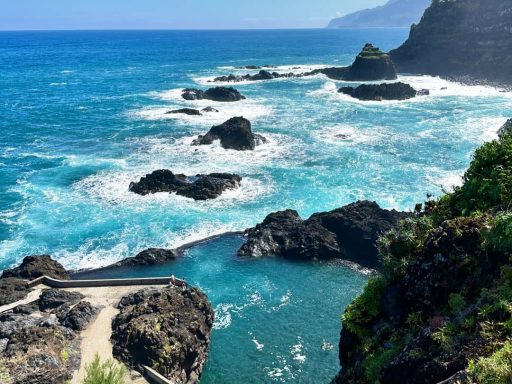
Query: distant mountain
395	13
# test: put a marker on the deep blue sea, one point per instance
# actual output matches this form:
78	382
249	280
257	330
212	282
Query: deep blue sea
82	114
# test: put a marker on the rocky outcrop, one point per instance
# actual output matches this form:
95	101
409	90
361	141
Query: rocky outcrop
461	38
505	129
199	187
236	133
12	290
221	94
79	317
261	75
151	256
184	111
348	233
52	299
167	330
385	91
33	267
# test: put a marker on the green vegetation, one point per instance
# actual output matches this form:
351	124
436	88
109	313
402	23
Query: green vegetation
496	369
108	372
457	251
5	378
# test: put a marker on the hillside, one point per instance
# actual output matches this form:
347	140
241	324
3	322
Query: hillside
395	13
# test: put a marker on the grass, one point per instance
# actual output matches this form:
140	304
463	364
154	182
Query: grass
496	369
108	372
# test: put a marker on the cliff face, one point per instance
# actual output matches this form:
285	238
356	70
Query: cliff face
461	38
395	13
441	312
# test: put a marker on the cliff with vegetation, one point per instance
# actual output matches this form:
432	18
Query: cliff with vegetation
441	311
461	38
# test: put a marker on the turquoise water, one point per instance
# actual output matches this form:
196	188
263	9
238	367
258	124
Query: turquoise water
82	114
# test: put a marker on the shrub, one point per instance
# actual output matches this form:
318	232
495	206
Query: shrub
496	369
108	372
364	308
500	237
400	246
456	302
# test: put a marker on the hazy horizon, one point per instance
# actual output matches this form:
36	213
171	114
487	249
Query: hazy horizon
62	15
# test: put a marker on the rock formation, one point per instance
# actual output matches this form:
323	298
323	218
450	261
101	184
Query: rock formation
184	111
461	39
167	330
151	256
199	187
221	94
236	133
385	91
348	233
33	267
505	129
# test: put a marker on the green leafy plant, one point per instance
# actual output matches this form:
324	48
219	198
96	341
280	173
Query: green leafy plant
496	369
456	302
108	372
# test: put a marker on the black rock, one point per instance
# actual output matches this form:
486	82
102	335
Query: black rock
348	233
223	94
51	299
185	111
505	129
192	94
166	329
150	256
12	290
236	133
378	92
261	75
209	109
33	267
199	187
79	317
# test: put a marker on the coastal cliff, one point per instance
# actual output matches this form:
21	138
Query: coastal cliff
462	39
442	309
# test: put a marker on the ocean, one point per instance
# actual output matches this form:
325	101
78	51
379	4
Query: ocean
83	114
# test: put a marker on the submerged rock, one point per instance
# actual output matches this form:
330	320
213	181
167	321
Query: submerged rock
385	91
221	94
185	111
33	267
199	187
209	109
348	233
168	330
236	133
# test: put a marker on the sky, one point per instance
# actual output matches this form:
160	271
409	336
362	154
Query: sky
174	14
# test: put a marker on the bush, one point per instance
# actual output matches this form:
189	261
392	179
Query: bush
500	238
365	308
488	181
400	246
496	369
108	372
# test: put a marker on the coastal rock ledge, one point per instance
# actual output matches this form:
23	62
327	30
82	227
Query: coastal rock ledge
167	330
348	233
199	187
385	91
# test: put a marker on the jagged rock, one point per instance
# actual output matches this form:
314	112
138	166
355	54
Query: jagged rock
37	355
33	267
12	290
210	109
236	133
378	92
261	75
461	38
199	187
168	330
185	111
79	317
13	322
348	233
221	94
52	299
151	256
505	129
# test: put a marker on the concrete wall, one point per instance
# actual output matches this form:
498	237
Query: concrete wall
155	377
54	283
